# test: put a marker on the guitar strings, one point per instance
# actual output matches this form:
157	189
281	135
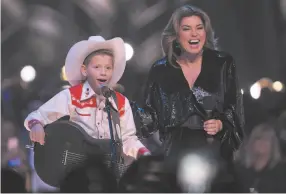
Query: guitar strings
71	153
74	157
119	169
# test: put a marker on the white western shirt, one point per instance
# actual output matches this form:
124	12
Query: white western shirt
86	109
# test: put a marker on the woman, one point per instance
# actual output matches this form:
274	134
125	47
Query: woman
259	166
193	77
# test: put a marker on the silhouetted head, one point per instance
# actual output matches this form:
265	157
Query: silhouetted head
148	175
92	176
12	182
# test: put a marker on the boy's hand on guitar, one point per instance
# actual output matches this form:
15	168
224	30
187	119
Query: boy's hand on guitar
37	134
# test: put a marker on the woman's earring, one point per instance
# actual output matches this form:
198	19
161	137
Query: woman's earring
177	48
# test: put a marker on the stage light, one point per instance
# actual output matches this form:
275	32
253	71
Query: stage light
129	51
277	86
195	172
242	91
255	90
28	73
265	82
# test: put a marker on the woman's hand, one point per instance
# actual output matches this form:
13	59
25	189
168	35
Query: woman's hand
212	126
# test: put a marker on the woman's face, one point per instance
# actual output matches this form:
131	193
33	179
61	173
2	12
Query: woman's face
262	146
192	34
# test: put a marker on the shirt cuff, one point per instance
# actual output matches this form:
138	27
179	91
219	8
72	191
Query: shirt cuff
33	122
143	152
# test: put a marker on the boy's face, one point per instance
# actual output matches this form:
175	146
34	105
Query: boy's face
99	70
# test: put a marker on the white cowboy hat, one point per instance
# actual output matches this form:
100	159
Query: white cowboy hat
82	49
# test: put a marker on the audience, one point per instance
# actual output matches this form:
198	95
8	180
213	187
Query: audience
259	165
282	133
148	175
92	176
12	182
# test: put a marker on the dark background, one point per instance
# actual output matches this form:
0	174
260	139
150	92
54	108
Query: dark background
40	33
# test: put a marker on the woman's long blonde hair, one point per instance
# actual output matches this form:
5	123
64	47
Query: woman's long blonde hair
246	156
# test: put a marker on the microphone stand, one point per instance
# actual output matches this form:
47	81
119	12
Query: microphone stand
112	140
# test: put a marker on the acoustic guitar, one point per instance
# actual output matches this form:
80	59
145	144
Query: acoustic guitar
67	145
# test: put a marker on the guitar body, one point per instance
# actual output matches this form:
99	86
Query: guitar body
66	145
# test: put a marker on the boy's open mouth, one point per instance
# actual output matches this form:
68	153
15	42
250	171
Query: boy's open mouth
101	81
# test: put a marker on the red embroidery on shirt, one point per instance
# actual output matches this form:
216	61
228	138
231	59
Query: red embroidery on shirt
121	103
76	92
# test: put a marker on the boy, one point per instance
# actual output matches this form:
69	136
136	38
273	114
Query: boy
90	64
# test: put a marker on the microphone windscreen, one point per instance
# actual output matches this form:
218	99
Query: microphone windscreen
106	92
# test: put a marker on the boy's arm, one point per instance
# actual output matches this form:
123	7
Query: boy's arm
132	146
55	108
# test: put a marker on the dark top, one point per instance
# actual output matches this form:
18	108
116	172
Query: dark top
169	102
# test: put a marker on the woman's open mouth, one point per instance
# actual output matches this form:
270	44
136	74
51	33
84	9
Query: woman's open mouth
194	43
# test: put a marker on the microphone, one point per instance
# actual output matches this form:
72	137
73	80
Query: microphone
209	104
105	91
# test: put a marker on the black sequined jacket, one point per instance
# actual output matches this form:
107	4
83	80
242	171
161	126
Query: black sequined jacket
169	101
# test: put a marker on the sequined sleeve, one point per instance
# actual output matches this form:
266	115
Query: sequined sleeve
147	114
233	117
